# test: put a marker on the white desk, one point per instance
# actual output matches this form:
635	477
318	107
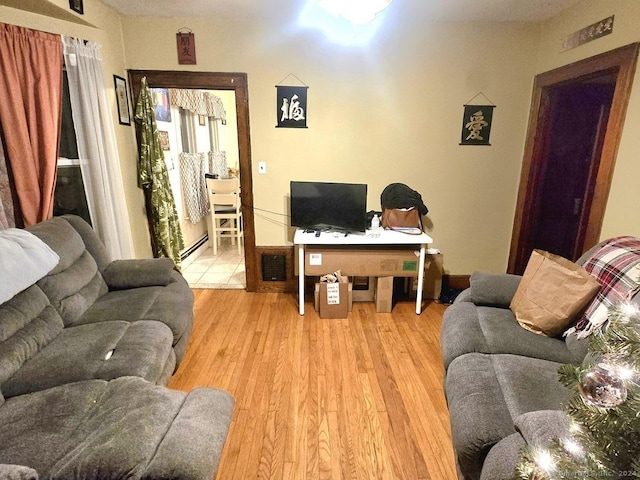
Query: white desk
385	239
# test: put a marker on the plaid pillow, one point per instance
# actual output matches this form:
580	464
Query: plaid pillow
616	266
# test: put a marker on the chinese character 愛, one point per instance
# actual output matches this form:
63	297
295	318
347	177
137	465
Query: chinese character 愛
475	126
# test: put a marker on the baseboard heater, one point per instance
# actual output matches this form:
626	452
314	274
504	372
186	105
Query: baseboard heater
184	254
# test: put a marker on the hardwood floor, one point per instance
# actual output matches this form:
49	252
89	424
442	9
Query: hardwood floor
360	398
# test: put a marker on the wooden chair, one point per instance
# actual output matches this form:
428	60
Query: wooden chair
226	210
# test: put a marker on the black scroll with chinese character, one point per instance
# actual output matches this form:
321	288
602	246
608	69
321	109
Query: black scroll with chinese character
291	108
476	124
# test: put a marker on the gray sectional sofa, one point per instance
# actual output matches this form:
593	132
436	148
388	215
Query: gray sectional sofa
85	354
501	380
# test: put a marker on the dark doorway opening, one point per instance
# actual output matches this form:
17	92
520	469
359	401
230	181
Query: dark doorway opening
575	127
578	118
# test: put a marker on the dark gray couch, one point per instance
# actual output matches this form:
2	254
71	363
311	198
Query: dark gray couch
84	356
501	380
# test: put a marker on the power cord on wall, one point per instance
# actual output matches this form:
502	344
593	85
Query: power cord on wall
257	209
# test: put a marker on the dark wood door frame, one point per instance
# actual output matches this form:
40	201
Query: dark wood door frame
218	81
622	62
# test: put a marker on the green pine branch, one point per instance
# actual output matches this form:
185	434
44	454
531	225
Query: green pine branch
609	438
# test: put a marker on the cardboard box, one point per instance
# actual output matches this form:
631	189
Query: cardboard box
433	272
333	300
369	262
364	289
384	294
432	283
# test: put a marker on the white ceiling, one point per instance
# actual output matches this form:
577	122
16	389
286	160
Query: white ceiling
453	10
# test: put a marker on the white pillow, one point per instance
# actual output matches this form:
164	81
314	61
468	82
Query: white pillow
24	259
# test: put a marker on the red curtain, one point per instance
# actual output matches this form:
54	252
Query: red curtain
30	115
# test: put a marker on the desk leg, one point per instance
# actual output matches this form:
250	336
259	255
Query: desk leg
301	279
423	249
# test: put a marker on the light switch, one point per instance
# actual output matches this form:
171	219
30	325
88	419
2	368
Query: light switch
262	167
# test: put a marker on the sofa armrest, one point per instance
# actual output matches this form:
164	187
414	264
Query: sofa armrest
540	428
493	290
536	429
149	272
17	472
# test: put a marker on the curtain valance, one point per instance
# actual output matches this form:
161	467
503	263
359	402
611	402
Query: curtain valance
198	102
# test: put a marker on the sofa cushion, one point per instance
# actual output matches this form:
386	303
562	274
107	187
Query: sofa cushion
487	393
28	323
468	328
75	283
62	238
91	241
103	350
74	289
171	305
124	428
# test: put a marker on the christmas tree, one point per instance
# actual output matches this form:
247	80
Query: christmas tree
603	440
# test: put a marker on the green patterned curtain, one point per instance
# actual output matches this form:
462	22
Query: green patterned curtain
166	235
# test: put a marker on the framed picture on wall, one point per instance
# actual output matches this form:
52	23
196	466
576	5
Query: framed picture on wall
161	106
164	139
77	6
122	100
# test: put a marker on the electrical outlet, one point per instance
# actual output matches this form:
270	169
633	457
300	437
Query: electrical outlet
262	167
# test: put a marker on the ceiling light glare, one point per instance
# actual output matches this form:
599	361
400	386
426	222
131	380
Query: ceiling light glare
358	12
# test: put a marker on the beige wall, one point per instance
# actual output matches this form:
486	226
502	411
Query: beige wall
621	217
389	112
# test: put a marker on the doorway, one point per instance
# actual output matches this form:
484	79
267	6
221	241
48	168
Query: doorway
574	130
236	82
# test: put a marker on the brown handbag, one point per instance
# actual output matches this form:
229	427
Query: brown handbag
403	220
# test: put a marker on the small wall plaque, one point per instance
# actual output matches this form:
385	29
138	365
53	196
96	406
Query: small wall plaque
186	48
588	34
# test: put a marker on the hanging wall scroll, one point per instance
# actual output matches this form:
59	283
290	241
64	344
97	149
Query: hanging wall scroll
186	47
476	123
291	106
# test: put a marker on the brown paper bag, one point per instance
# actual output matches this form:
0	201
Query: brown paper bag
552	292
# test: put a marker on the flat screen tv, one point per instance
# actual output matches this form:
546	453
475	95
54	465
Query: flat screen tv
329	206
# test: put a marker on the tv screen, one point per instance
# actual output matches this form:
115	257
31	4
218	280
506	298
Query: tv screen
329	206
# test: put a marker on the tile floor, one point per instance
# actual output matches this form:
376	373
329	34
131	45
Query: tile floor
223	271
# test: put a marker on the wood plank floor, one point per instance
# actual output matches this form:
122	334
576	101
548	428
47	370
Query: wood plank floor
360	398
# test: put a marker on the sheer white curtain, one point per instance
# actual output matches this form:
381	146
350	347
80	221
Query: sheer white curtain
99	161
